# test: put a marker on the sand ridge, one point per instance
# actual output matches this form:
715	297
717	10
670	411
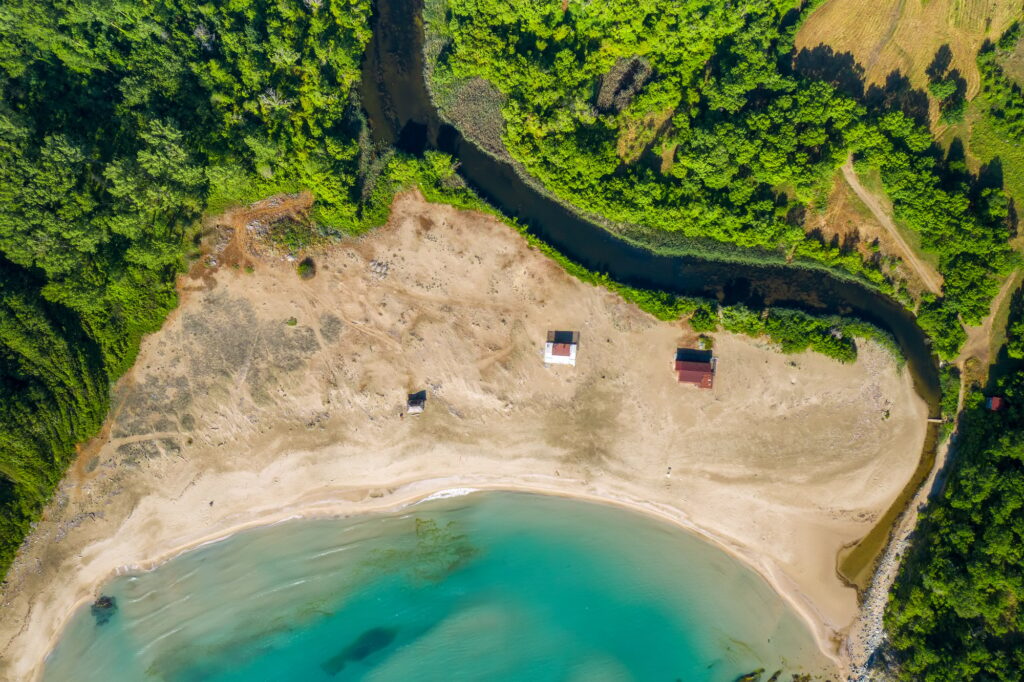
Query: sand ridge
234	417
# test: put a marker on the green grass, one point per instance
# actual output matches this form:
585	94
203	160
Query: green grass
987	144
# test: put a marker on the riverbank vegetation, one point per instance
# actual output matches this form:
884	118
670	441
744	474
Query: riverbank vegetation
954	613
692	120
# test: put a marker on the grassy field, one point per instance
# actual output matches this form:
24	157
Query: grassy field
987	144
1014	64
904	35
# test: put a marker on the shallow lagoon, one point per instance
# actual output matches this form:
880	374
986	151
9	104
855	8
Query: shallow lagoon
492	586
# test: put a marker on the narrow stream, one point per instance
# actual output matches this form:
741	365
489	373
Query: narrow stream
401	113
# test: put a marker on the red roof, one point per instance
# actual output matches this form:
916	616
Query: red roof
996	403
704	379
564	349
692	366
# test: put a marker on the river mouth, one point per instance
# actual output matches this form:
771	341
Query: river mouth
401	113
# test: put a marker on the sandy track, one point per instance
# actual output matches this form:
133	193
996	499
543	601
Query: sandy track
979	339
931	279
232	417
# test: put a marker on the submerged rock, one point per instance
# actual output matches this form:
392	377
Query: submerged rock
103	609
368	643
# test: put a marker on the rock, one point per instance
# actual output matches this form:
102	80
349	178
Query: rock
103	609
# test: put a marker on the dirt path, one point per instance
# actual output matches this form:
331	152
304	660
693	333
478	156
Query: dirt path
979	339
931	279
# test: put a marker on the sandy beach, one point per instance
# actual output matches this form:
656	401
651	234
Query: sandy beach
267	397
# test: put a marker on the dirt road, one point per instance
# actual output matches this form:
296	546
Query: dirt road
931	279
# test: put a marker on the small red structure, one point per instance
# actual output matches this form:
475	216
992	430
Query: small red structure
561	349
695	367
995	403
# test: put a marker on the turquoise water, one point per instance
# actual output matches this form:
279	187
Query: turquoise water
492	586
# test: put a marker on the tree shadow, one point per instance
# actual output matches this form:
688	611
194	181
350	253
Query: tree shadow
796	215
948	87
953	172
840	69
990	175
940	63
899	95
846	74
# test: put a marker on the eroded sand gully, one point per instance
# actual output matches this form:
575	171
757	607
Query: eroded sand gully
233	417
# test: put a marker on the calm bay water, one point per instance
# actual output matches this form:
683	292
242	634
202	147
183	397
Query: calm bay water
493	586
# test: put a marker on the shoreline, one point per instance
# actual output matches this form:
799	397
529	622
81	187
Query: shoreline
444	488
277	397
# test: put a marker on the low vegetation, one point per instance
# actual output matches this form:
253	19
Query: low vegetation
997	130
1003	95
949	387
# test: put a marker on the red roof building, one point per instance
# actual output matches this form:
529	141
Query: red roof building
704	379
691	365
695	366
996	403
698	373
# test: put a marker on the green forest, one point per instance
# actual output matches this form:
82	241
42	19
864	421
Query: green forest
954	613
691	118
121	122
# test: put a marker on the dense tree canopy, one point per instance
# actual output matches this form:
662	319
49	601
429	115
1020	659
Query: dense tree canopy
955	611
688	117
120	123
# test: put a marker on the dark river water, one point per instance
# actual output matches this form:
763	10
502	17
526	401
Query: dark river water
401	113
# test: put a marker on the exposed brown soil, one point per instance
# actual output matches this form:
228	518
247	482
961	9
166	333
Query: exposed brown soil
244	223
